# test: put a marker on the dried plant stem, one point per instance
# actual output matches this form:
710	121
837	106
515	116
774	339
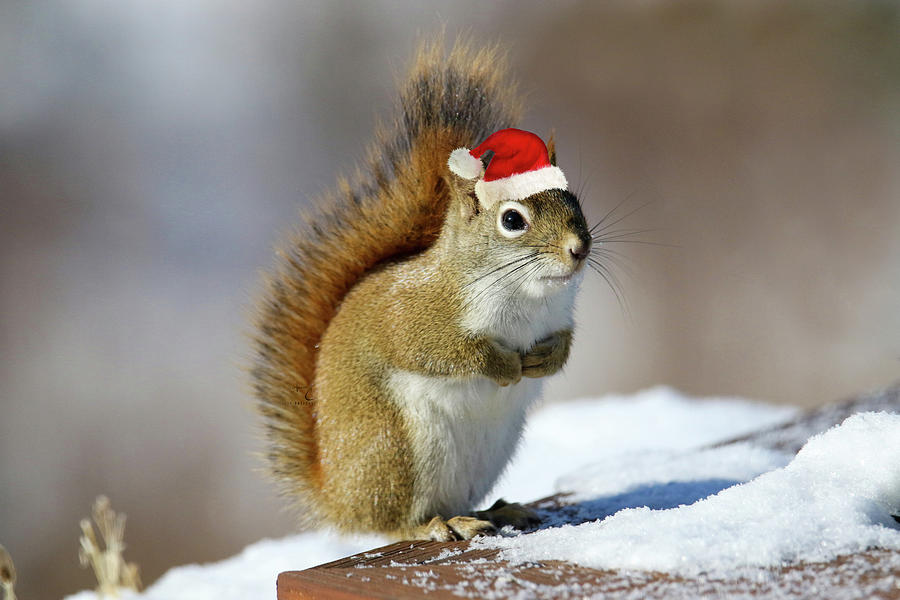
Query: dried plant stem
7	575
109	566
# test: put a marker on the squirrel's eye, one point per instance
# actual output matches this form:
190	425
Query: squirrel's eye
513	220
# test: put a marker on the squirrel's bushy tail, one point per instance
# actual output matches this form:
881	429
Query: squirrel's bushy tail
393	206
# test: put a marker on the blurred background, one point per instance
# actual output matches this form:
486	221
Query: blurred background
152	152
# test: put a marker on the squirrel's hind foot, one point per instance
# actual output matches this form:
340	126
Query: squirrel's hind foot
503	513
453	530
482	522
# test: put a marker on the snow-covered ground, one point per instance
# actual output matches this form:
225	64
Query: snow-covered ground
650	493
835	498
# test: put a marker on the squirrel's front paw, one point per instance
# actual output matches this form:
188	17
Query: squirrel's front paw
505	366
547	356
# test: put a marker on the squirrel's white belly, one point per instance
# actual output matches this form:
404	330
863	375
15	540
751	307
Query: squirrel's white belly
463	433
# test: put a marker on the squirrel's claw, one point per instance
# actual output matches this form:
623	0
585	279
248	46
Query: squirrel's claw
468	527
453	530
436	530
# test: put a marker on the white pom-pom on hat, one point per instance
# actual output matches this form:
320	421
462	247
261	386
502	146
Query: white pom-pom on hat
464	164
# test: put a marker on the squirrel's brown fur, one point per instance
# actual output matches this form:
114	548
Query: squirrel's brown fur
446	102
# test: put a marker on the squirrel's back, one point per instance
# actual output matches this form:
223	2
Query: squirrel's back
394	206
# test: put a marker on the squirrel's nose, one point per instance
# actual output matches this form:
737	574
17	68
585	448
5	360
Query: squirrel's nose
579	249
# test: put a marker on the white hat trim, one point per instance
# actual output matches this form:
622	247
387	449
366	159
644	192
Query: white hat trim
520	185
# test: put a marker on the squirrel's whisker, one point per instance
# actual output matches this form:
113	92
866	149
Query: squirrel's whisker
621	261
612	210
503	266
594	229
621	233
533	258
612	282
522	280
648	243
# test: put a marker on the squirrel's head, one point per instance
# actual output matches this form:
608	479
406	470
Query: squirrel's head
525	231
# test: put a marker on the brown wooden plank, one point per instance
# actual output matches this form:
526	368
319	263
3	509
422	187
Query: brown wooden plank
406	570
417	570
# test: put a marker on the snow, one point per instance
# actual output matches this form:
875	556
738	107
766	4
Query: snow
658	480
835	498
791	436
567	437
252	573
632	463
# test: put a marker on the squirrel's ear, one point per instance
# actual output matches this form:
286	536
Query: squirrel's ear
551	148
470	204
462	194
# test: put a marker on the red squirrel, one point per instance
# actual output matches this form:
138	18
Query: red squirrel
411	318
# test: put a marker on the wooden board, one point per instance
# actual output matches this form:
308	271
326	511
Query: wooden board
453	570
440	570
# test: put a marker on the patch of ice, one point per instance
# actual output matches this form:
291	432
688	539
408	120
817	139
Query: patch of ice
836	497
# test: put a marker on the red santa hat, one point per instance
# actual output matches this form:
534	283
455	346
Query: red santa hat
519	168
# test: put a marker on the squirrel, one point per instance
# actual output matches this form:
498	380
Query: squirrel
403	334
